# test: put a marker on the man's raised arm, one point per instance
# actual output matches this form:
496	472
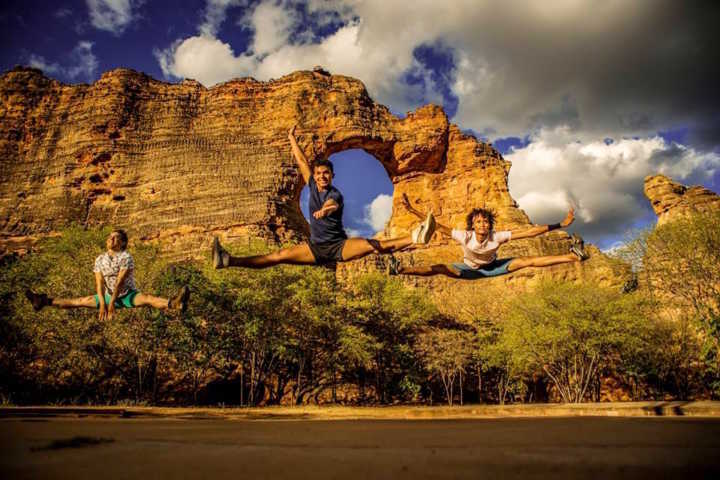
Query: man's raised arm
300	158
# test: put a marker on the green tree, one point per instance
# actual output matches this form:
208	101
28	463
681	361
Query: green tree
446	353
678	264
568	331
393	316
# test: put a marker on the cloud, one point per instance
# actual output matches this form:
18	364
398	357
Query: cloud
378	212
604	180
215	14
517	67
205	59
82	63
272	24
284	41
111	15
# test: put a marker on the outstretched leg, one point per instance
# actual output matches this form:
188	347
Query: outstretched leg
41	300
144	300
296	255
79	302
430	270
355	248
522	262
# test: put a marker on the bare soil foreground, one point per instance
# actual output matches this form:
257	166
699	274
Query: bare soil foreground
106	445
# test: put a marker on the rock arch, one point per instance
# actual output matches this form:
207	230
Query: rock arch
168	160
179	163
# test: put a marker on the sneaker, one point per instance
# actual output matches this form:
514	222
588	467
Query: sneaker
220	258
578	247
179	302
424	232
38	300
393	266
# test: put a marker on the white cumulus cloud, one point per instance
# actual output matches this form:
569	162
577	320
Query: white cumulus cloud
205	59
602	180
273	25
365	47
378	212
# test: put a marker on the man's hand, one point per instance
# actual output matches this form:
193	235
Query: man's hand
291	132
569	218
102	312
318	214
111	309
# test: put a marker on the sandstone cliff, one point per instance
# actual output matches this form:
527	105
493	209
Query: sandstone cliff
179	163
670	199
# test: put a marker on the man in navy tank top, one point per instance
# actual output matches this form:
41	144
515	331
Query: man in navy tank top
328	242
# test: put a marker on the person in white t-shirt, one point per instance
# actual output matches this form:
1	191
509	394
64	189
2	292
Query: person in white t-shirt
115	285
480	243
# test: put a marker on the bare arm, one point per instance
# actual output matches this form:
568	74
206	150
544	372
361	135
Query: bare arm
328	207
100	289
440	228
540	229
122	275
299	156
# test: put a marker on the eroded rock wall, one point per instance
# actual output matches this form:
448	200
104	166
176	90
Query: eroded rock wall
670	199
179	163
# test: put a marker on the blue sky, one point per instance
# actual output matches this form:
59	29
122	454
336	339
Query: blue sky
585	98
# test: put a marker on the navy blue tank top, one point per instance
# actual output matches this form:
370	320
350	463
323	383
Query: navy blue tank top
330	227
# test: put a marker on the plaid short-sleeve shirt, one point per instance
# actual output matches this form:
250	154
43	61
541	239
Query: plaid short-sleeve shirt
110	265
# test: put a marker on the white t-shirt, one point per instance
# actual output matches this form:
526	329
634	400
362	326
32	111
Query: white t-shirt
110	267
476	254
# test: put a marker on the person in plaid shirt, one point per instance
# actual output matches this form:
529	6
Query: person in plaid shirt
115	285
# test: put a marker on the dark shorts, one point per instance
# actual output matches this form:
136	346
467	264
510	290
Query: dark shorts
125	301
499	266
327	252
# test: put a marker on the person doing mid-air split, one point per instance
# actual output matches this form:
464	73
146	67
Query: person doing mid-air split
328	241
480	242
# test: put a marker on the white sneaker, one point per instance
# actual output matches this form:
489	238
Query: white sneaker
424	232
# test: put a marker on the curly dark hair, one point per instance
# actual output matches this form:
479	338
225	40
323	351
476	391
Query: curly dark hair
123	237
485	212
324	163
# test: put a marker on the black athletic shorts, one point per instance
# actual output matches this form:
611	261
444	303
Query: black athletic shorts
327	252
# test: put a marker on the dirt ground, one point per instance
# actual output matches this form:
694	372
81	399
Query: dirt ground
569	447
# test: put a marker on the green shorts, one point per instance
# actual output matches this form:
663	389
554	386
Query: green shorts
125	301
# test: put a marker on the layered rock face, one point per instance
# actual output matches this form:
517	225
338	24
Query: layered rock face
670	199
179	163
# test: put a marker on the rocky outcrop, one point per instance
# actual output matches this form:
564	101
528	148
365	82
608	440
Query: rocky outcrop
670	199
179	163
